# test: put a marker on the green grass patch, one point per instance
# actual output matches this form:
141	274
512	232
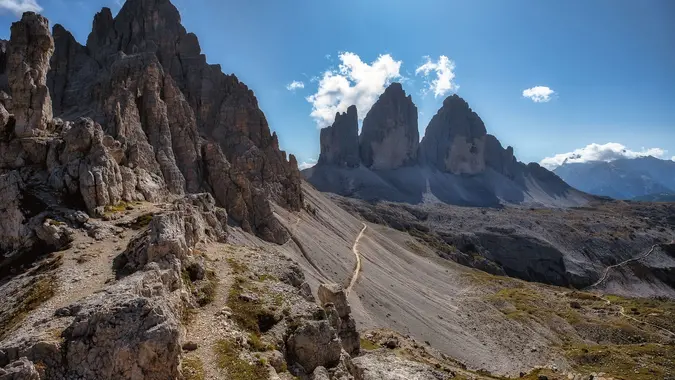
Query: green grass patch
251	315
628	362
657	311
206	292
120	207
193	369
237	266
368	345
40	289
228	354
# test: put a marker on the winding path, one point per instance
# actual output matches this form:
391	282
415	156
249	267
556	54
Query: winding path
606	273
357	270
622	310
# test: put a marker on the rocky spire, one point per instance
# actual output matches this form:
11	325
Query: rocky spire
455	139
30	49
390	136
179	121
340	142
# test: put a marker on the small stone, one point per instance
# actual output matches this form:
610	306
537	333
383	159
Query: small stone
190	346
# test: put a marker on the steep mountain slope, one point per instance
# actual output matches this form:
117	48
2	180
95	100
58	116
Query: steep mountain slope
621	179
175	123
456	162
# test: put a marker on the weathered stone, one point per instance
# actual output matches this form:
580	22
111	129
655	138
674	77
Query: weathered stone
164	102
129	331
30	49
314	344
455	139
390	136
340	142
320	373
350	338
55	234
22	369
335	294
12	229
391	367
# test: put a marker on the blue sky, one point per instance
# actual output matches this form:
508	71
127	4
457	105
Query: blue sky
609	63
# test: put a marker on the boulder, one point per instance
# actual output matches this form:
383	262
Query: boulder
129	331
30	49
320	373
334	294
390	136
314	344
349	337
22	369
390	367
340	141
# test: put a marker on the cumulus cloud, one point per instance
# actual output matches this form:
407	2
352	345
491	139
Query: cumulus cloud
597	152
307	164
19	6
353	83
443	73
539	94
673	158
295	85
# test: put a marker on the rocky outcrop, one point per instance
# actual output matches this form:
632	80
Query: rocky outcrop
314	344
455	139
390	136
132	328
171	123
334	300
193	219
21	369
340	141
30	49
391	367
501	160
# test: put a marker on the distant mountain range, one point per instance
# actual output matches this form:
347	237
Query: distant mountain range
644	179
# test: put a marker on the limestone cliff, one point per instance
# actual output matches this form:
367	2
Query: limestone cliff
167	122
340	141
390	137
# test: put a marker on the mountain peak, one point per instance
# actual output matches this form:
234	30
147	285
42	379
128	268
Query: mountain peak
390	135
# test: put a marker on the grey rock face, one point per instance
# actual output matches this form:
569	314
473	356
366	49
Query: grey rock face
340	142
334	300
455	139
390	367
22	369
143	77
500	159
194	219
390	135
314	344
30	49
334	294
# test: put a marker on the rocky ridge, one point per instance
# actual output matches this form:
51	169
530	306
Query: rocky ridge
163	122
456	162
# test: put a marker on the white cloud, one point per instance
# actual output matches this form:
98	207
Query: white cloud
539	94
353	83
596	152
295	85
307	164
673	158
444	69
20	6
